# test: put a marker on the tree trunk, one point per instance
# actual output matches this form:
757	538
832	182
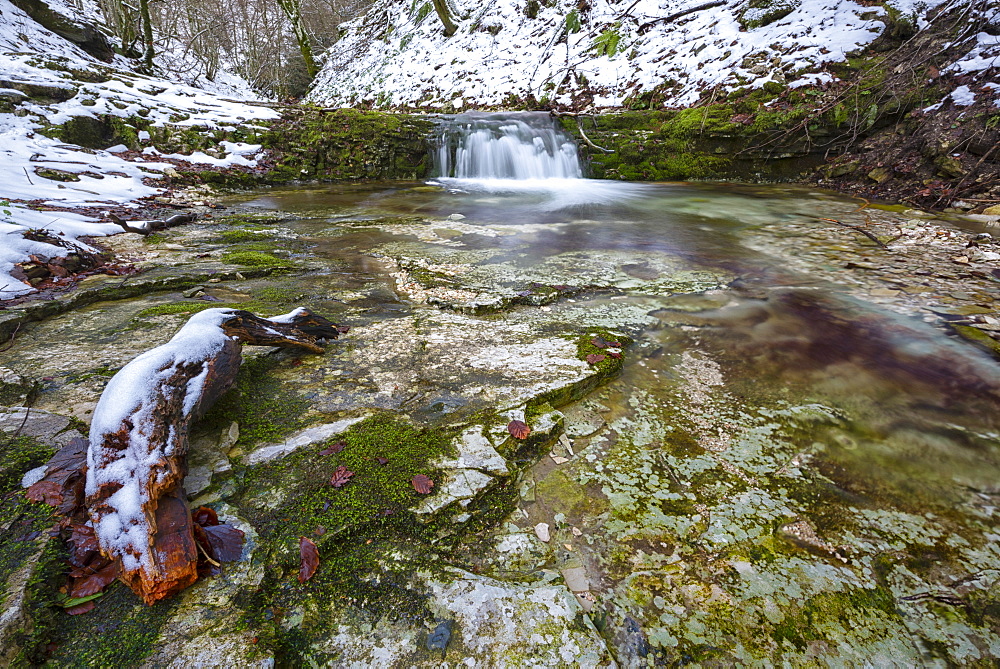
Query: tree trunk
293	11
139	440
147	36
441	7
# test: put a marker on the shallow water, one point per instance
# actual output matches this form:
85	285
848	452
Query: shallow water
779	405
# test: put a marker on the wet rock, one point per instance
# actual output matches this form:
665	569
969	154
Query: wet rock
15	389
44	426
459	485
311	435
583	422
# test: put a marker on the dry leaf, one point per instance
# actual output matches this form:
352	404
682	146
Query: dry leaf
615	354
599	342
334	448
518	429
80	608
595	358
205	516
422	483
341	476
226	542
308	559
94	583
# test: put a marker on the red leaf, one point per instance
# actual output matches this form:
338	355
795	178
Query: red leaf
422	483
599	342
309	559
614	344
94	583
595	358
341	476
518	429
80	608
615	354
226	542
334	448
205	516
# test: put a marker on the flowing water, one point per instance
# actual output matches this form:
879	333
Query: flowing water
792	466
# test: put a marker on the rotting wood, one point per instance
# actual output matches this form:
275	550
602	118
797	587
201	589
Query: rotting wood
139	440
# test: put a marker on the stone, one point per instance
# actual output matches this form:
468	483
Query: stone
458	485
542	532
880	174
306	437
992	210
475	452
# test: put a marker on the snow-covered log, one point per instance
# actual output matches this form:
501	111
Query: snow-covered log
136	461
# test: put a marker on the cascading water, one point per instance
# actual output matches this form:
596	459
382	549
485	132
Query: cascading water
520	145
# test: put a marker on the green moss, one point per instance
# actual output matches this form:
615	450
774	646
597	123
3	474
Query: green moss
120	631
238	236
350	144
17	456
255	259
264	409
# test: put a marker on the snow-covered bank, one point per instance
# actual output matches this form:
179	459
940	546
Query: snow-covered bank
507	53
611	53
46	81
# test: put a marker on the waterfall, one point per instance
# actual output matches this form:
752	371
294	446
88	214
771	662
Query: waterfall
517	145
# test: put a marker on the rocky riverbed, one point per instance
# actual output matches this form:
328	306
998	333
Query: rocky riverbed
793	460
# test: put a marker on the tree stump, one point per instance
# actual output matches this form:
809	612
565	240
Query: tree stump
136	460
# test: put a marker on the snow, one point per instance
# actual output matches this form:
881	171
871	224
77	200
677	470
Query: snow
963	96
134	393
984	54
30	55
418	66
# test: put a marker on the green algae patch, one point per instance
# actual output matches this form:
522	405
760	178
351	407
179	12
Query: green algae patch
255	259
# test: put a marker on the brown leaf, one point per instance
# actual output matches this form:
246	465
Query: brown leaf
595	358
422	483
205	516
518	429
94	583
46	491
309	559
334	448
382	461
226	542
341	476
599	342
80	608
615	354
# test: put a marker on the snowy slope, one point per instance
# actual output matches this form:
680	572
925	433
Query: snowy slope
31	55
498	52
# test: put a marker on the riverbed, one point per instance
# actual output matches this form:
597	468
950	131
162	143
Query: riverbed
759	437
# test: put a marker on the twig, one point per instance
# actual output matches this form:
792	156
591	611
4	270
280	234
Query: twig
850	227
10	343
579	126
26	175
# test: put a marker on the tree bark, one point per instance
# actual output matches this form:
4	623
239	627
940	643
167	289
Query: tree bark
293	11
139	440
441	7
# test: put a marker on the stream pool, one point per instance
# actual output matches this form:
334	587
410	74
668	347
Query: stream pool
797	462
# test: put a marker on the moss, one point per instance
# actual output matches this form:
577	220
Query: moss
238	236
17	456
261	405
120	631
979	338
255	259
350	144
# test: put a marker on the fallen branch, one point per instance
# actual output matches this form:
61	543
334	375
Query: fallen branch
149	227
139	440
850	227
579	126
676	15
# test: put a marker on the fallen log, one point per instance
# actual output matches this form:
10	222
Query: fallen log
136	460
149	227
